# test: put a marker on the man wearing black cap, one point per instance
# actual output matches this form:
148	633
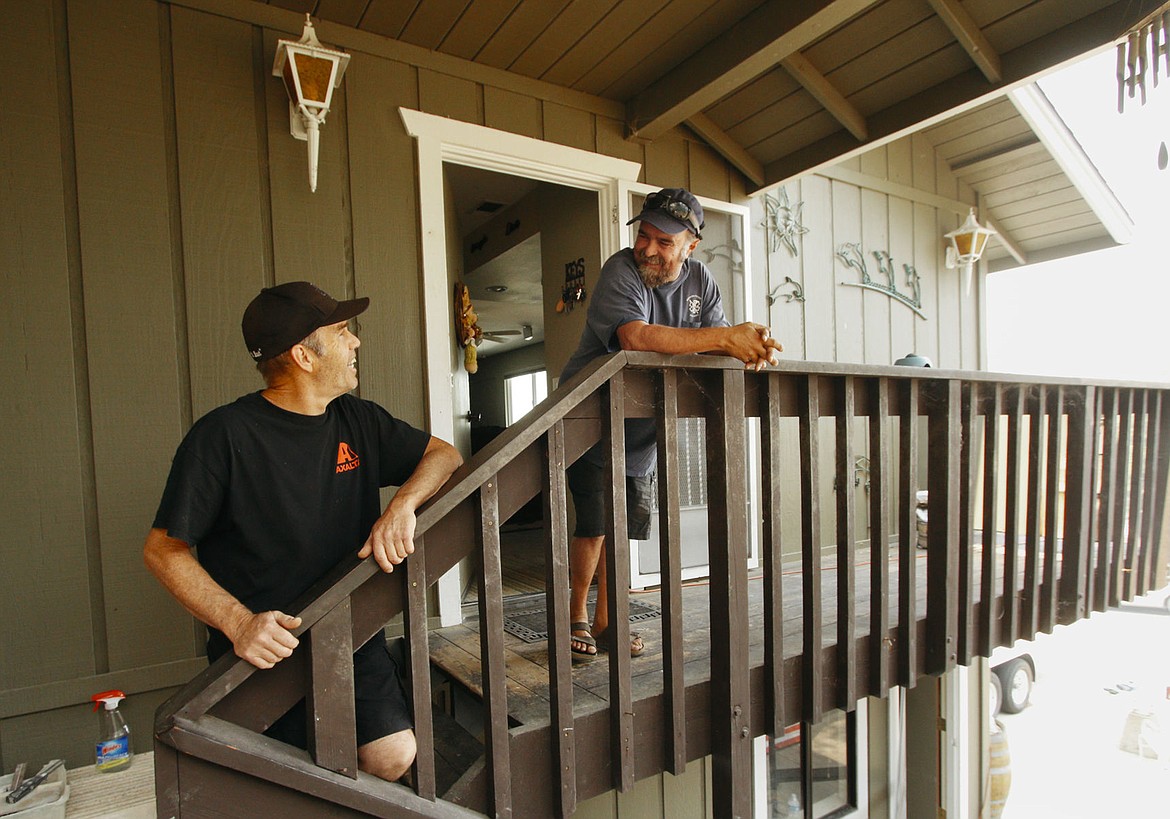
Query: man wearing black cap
652	297
278	487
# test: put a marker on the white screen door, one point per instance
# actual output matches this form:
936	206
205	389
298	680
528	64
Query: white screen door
723	251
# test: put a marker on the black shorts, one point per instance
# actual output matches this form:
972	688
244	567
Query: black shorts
589	485
380	704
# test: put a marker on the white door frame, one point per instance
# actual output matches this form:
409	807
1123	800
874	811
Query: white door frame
438	140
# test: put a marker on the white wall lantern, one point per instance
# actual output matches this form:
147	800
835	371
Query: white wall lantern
966	244
310	72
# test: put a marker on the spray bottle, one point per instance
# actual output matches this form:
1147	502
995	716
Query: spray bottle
113	746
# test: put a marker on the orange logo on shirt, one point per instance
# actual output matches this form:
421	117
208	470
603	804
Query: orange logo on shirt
347	459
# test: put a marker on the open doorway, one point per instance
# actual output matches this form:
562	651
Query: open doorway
513	241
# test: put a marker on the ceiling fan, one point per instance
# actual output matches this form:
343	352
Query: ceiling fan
500	336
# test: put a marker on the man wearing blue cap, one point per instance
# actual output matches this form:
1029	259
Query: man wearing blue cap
653	297
278	487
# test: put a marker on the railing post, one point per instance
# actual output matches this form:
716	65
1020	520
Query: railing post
772	547
879	537
1030	594
727	536
1160	537
1052	533
942	544
1011	521
846	554
1121	556
1150	489
491	639
908	536
988	635
418	643
968	469
1074	565
1137	488
670	560
560	665
810	544
331	728
617	572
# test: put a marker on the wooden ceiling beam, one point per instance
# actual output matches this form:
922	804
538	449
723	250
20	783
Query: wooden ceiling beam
967	90
970	37
754	45
727	147
826	94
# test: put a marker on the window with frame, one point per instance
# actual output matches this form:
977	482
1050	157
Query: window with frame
812	770
522	393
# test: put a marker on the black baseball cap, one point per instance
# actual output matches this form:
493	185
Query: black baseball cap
672	210
281	316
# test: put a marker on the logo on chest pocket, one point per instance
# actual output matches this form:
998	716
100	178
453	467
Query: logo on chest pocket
694	306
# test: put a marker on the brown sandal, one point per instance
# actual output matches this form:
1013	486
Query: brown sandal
582	655
637	647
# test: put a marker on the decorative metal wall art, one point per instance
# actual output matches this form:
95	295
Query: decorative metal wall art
782	222
731	252
797	293
851	255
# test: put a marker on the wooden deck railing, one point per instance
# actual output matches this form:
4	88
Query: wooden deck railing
1071	477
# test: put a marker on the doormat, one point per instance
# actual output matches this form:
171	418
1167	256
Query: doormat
529	621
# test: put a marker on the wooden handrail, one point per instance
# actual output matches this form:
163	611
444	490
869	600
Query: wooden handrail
1105	443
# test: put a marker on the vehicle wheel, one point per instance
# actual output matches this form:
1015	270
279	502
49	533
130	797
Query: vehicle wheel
996	694
1016	685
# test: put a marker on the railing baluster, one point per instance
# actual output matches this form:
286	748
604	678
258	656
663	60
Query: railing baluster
1149	491
1106	553
1161	519
1030	594
989	622
617	571
968	470
846	554
1052	533
772	548
1093	573
942	558
670	559
1074	566
418	643
727	536
1151	515
1137	485
331	727
879	537
810	544
1011	524
491	636
908	536
1121	554
560	664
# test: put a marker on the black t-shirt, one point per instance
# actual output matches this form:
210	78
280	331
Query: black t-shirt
272	500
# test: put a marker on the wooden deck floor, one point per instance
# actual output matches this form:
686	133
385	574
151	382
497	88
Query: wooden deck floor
455	649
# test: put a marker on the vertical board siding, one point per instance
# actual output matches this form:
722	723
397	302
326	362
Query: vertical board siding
385	235
42	435
226	246
124	208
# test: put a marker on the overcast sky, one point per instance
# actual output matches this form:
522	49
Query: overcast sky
1104	314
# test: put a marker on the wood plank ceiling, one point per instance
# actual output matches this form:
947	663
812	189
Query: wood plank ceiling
784	85
778	87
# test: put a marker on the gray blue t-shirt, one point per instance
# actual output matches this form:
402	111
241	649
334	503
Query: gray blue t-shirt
691	300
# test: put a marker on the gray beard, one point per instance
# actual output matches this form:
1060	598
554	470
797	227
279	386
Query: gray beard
653	276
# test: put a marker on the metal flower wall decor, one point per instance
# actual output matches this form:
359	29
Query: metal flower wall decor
851	255
782	222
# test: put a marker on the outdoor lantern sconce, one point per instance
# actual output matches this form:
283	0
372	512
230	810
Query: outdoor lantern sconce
966	244
310	72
